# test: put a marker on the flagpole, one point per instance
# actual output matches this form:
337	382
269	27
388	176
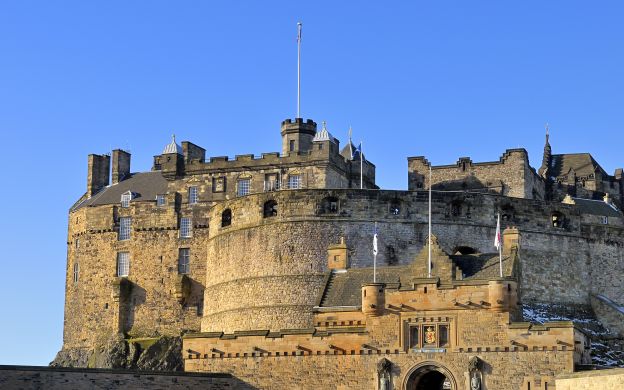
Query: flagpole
361	166
299	25
429	255
500	248
375	255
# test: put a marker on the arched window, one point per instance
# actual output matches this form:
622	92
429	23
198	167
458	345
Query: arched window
226	218
269	209
557	219
329	205
395	207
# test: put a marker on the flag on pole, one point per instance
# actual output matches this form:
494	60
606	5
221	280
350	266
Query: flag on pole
299	32
375	241
497	239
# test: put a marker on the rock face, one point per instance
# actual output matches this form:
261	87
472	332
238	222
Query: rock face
607	346
162	354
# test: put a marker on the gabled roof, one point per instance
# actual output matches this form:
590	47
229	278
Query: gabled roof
144	186
582	164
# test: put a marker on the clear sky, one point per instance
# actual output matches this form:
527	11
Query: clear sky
442	79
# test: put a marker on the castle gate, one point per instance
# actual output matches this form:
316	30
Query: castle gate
429	376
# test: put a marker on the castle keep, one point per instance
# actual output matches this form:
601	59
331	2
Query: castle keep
263	265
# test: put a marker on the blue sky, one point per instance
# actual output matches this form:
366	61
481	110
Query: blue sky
442	79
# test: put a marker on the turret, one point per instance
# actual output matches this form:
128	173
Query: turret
297	136
338	256
373	299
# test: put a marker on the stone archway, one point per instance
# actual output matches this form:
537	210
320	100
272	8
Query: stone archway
429	376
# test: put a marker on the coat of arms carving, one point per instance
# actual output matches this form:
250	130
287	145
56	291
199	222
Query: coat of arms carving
430	335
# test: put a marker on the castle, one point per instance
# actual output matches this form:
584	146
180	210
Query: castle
264	266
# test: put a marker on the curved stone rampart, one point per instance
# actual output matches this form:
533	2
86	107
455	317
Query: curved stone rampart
264	271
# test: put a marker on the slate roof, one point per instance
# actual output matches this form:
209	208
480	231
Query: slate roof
583	165
144	185
349	150
596	207
344	288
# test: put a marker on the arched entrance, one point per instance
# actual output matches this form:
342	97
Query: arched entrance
429	376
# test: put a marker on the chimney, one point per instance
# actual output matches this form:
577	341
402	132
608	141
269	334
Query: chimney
97	173
121	165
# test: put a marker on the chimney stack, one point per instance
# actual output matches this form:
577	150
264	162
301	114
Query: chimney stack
97	173
121	165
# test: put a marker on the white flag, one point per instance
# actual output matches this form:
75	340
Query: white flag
497	239
375	241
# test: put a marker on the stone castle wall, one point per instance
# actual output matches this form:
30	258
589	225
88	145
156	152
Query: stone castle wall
267	273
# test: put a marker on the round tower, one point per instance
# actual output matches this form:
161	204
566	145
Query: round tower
373	299
297	135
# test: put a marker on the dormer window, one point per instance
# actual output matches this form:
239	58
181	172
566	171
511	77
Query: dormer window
193	196
126	197
161	200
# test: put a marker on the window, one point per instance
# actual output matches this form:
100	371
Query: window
443	335
329	205
76	271
271	183
395	207
270	209
605	220
193	197
161	200
557	220
184	261
413	336
123	264
243	187
218	184
291	146
294	182
226	218
125	225
77	243
126	197
185	227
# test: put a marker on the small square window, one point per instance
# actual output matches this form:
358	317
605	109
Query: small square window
125	226
185	228
184	260
123	264
161	200
193	196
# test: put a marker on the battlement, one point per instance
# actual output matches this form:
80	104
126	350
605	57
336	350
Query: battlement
511	175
